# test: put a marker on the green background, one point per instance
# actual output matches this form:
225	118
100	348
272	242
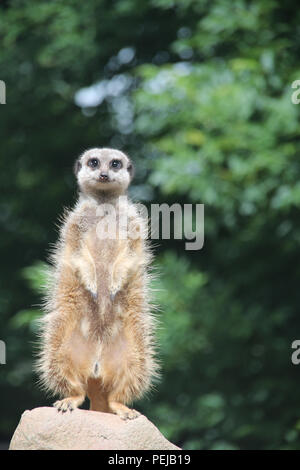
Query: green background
199	94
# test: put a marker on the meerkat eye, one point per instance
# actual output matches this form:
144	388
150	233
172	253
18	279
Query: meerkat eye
93	162
116	164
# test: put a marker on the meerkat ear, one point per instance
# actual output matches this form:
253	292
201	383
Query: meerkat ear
77	166
130	169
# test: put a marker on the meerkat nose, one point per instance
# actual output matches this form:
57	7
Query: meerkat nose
103	176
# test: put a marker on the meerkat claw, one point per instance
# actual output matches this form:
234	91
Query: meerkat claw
60	405
123	411
64	405
133	414
128	415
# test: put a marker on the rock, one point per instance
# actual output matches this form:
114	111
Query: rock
47	429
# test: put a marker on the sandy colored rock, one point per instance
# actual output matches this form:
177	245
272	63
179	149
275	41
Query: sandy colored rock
47	429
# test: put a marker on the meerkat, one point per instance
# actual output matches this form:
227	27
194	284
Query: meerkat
97	333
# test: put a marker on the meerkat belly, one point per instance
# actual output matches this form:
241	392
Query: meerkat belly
116	357
82	350
100	254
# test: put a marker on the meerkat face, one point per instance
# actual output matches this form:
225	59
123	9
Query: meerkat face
103	170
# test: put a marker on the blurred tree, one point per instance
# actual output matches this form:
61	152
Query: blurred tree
199	93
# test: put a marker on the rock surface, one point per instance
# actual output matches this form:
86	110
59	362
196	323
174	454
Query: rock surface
47	429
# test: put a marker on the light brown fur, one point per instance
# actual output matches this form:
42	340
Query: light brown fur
97	333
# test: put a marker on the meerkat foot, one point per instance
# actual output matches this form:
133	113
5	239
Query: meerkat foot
123	411
68	404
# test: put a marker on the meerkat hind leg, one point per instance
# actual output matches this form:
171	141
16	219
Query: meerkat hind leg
99	402
97	396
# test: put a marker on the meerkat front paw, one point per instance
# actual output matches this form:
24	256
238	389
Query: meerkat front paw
113	292
92	289
113	296
94	294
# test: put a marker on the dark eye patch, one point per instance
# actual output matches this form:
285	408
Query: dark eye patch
116	164
93	162
77	166
130	170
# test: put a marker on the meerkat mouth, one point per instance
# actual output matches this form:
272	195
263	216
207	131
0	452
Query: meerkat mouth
104	180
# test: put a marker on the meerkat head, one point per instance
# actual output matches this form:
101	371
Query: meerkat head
101	170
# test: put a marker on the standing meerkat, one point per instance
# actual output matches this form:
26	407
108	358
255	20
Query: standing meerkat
97	332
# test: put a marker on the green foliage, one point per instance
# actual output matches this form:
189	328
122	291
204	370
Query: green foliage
203	104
